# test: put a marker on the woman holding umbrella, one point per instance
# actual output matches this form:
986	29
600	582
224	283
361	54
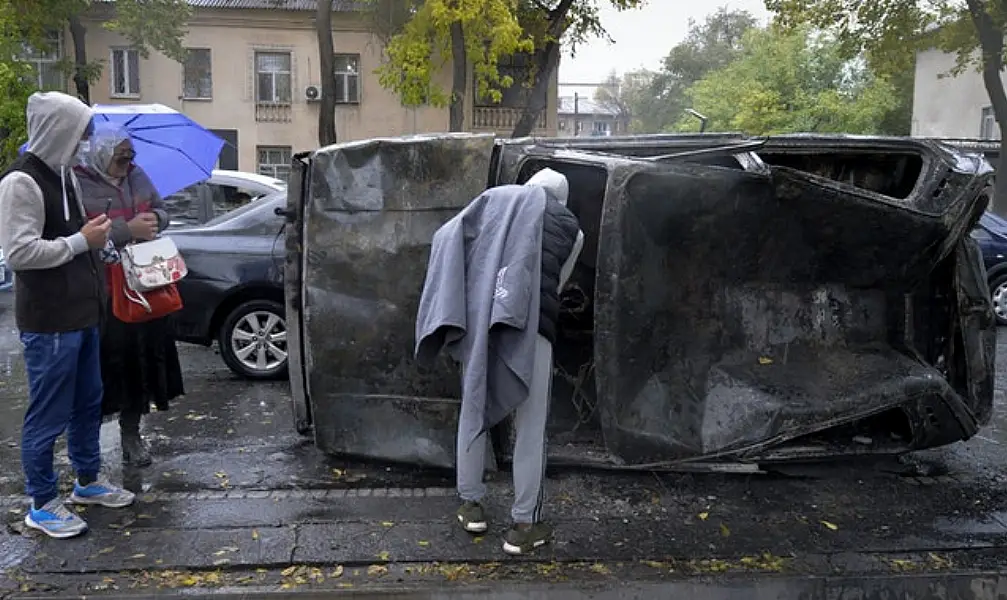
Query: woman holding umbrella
139	361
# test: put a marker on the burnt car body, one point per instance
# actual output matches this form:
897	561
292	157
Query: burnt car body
736	300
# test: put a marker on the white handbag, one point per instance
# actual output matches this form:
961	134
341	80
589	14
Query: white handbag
152	265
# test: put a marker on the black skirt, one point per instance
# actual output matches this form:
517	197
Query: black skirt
139	365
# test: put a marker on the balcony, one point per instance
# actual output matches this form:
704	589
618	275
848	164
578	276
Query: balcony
273	112
502	120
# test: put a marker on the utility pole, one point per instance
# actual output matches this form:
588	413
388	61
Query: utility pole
576	114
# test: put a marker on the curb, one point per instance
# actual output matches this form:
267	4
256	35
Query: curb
957	586
286	494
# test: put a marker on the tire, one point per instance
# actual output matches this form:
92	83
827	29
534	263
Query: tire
998	294
252	338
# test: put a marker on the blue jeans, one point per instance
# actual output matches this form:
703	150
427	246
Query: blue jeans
64	382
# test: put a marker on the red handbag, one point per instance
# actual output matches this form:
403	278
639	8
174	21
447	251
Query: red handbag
131	306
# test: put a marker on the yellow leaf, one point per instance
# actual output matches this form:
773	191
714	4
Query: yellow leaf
724	531
288	571
384	555
704	516
600	569
377	570
221	561
423	543
337	572
765	360
221	475
387	524
107	550
137	556
830	526
477	540
255	534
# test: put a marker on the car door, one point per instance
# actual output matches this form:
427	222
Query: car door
363	216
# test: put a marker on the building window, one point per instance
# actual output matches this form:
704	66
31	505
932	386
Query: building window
602	128
274	161
347	73
45	61
988	129
272	77
125	72
197	75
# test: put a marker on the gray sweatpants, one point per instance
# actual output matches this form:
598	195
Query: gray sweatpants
529	447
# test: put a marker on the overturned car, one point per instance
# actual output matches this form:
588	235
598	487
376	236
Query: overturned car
736	300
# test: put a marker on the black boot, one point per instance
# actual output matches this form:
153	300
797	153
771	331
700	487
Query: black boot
134	450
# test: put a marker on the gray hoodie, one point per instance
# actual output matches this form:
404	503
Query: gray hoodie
56	124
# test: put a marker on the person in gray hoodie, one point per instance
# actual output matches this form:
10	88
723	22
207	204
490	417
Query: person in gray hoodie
54	253
491	300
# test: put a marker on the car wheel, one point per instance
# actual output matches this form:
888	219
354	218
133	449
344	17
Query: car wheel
253	340
998	293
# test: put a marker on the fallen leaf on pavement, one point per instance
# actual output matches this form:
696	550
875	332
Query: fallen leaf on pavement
288	571
221	561
704	516
600	569
337	572
137	556
377	570
830	526
724	531
384	555
108	550
255	534
423	543
765	360
387	524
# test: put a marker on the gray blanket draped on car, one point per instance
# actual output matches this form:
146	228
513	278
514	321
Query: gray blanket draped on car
480	301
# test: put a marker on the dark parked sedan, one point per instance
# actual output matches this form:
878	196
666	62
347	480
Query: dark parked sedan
234	291
991	234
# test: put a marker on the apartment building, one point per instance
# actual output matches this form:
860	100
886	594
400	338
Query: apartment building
579	116
251	75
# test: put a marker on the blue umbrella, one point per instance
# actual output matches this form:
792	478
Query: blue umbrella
174	150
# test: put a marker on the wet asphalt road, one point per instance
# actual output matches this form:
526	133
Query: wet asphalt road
237	498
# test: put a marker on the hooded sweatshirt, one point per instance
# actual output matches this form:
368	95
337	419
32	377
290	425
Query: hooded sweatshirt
57	287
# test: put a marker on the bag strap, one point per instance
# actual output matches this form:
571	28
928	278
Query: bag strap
137	299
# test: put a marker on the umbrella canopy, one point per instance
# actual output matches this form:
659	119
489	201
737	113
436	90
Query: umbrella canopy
174	150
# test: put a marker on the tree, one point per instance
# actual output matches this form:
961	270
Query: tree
476	32
327	68
890	32
611	96
793	81
146	24
657	99
480	33
552	23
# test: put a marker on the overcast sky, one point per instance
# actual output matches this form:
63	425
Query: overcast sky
642	37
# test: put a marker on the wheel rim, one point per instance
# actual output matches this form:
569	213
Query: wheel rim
259	341
1000	301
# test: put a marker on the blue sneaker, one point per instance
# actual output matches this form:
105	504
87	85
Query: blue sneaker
102	493
55	520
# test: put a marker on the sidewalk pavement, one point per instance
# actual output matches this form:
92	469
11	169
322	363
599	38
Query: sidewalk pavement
761	536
